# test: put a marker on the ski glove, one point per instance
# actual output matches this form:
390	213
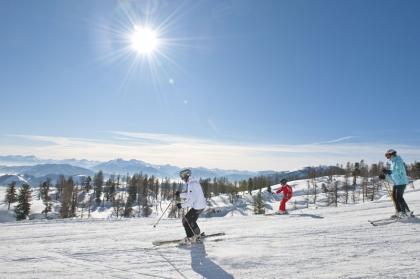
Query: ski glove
382	176
177	194
179	205
385	171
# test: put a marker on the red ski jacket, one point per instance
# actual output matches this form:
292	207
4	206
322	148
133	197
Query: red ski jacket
287	191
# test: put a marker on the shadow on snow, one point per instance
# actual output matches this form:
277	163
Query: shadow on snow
202	265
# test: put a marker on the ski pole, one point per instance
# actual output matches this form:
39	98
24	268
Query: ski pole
188	223
390	194
157	222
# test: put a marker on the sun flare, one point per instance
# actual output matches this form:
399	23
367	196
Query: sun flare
144	40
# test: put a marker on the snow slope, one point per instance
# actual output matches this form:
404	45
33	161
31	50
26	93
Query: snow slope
311	243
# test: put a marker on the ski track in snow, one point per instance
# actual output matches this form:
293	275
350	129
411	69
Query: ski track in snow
342	244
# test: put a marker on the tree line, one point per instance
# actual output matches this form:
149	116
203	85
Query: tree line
136	195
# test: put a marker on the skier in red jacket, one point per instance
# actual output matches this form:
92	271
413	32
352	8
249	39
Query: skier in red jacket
287	195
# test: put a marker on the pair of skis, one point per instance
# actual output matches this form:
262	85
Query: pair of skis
387	221
174	241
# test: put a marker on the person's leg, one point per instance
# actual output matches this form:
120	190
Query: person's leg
395	198
186	221
193	222
401	200
283	205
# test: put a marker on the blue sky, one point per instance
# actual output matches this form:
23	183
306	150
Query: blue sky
234	84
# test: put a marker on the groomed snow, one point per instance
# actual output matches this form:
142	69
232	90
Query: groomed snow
309	243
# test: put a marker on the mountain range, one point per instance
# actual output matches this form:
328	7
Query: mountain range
33	169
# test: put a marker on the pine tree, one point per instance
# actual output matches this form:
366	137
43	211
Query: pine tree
23	207
205	184
118	205
355	173
98	182
11	196
250	186
60	184
46	199
74	200
128	208
132	193
87	185
146	210
259	206
67	199
132	189
110	188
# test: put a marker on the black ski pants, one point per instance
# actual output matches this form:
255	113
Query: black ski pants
397	195
190	222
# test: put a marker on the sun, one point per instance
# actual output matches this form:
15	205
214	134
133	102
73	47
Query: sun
144	40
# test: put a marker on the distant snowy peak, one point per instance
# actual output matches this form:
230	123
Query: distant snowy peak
120	166
10	178
46	169
18	160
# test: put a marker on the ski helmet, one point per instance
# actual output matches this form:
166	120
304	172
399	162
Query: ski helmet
390	152
185	174
283	181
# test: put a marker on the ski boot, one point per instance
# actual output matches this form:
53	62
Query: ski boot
186	241
395	216
403	215
198	238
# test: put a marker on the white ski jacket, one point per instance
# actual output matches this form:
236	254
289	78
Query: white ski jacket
194	196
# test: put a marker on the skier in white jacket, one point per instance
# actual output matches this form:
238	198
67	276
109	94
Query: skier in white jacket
194	199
